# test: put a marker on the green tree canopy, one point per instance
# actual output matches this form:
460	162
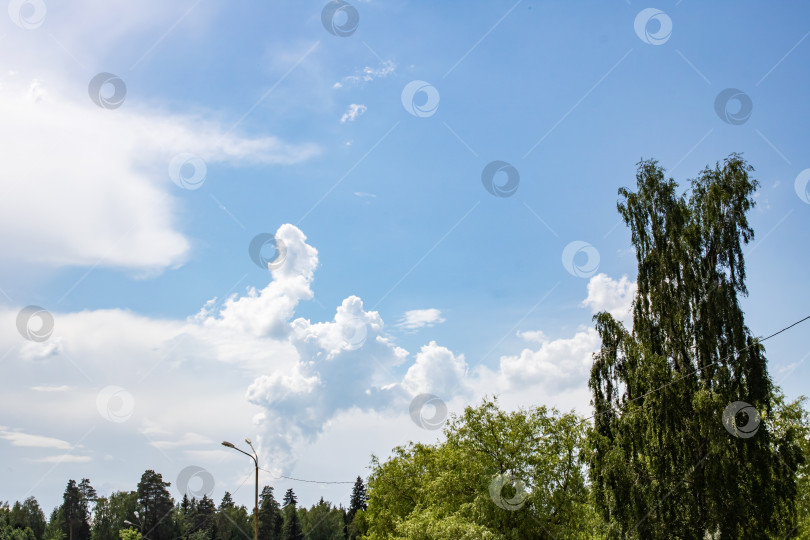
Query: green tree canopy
664	465
504	475
157	507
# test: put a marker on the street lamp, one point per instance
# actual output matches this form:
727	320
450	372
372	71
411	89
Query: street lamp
255	459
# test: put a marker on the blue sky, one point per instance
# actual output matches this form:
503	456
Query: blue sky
391	237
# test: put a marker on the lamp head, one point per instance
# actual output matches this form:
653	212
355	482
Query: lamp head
247	440
229	445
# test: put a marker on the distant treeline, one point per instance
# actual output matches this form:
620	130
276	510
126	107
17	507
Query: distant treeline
150	512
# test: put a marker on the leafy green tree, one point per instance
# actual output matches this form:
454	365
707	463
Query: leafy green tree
111	513
271	519
292	526
664	465
157	507
129	534
28	514
498	475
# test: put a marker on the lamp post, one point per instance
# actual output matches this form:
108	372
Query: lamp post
255	459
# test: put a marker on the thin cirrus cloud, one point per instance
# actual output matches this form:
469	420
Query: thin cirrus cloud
419	318
367	74
18	438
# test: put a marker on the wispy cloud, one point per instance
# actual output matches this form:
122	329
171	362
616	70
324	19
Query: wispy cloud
62	388
18	438
418	318
354	111
368	74
64	458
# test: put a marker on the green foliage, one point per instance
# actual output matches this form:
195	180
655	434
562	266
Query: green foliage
451	489
156	506
129	534
270	517
322	522
291	529
663	465
54	531
110	514
29	515
76	509
232	522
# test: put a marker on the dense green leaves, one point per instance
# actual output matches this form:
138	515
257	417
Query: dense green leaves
663	464
469	485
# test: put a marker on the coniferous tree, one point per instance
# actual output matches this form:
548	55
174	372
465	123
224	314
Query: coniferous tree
232	522
271	519
666	463
156	505
359	500
55	530
76	509
292	526
204	517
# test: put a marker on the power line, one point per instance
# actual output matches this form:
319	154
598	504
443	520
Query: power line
302	480
670	383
